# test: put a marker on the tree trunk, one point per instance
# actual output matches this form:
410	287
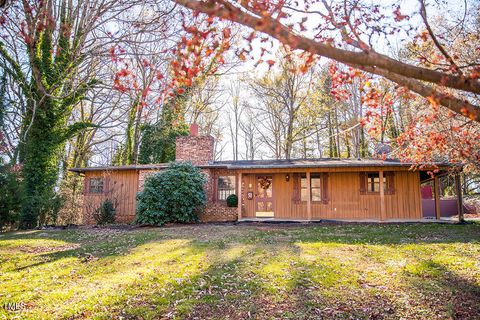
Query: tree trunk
337	133
41	155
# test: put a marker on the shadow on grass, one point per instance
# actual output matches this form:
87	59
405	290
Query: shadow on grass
382	234
443	289
236	289
86	245
240	285
103	242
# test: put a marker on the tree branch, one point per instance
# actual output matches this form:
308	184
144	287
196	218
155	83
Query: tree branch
375	62
457	105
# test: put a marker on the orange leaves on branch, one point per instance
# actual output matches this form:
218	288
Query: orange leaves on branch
124	73
398	16
270	63
339	79
241	56
113	54
227	32
251	36
199	52
119	82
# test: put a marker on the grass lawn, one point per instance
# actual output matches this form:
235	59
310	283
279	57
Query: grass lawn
351	271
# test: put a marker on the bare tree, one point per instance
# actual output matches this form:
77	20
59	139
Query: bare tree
284	97
249	132
235	111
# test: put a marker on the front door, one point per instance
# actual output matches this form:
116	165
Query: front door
264	197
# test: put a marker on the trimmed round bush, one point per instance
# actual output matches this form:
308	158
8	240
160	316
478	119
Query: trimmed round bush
232	200
173	195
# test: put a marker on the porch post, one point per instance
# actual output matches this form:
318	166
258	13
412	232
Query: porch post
458	184
382	197
309	197
239	195
436	193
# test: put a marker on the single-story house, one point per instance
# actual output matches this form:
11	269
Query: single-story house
302	189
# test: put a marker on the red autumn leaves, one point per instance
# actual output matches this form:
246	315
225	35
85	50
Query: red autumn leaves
198	53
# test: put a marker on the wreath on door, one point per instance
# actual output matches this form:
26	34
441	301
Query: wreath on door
265	182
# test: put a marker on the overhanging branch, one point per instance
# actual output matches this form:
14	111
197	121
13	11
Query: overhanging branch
399	72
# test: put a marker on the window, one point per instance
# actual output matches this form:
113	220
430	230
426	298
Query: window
315	187
373	182
96	185
225	187
370	182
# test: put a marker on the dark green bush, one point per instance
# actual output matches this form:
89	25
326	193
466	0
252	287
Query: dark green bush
49	207
173	195
232	200
105	214
10	196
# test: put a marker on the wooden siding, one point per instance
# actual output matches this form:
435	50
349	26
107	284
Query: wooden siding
122	186
345	200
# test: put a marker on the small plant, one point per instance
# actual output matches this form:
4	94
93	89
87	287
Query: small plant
105	214
232	200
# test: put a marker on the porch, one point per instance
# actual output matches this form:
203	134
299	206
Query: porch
312	195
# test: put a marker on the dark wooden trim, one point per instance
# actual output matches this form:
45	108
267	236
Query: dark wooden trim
363	182
296	198
324	182
390	182
383	213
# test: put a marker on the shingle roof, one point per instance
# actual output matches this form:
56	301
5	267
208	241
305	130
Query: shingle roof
271	164
127	167
308	163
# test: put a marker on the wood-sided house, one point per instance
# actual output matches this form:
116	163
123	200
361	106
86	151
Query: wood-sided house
312	189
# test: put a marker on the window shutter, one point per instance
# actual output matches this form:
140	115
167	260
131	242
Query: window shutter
325	188
390	182
296	188
363	183
86	185
106	185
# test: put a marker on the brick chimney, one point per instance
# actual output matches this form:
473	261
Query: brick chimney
195	148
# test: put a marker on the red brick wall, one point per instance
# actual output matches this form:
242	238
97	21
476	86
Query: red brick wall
143	175
197	149
218	212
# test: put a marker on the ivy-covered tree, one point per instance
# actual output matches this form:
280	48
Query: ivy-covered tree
53	41
158	141
51	93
